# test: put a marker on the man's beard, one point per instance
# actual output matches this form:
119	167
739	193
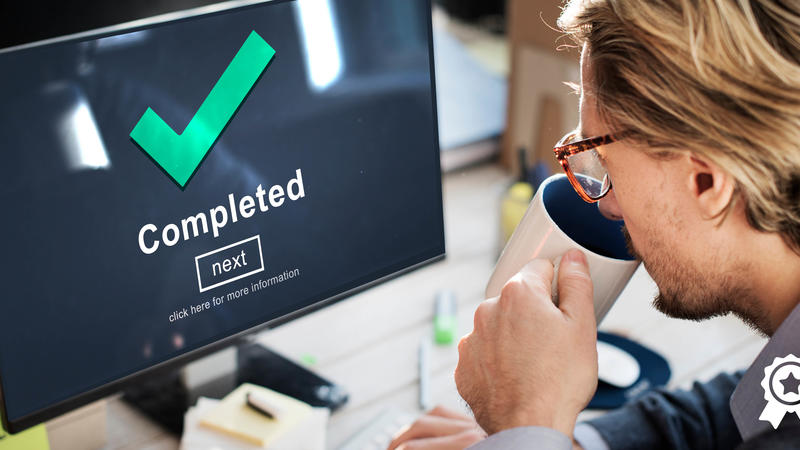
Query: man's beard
687	293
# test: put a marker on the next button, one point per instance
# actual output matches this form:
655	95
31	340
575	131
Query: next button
229	263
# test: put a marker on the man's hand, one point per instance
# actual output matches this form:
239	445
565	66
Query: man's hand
440	429
527	361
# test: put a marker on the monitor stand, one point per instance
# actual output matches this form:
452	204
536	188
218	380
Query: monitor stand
165	398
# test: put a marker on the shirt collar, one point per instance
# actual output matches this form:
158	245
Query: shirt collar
756	408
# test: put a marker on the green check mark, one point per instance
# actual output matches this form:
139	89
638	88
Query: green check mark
181	154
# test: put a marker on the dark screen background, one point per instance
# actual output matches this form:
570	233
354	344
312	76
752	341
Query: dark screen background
81	305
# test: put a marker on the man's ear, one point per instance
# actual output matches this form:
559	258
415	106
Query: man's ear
711	187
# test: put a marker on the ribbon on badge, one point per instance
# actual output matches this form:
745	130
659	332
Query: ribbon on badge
781	385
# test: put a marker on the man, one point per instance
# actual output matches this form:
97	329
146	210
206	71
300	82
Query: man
701	100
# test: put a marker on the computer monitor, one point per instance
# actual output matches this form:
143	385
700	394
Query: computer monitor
169	185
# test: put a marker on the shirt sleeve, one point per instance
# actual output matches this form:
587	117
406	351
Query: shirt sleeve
673	419
589	438
539	438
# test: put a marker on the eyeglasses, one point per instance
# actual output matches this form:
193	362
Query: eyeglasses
582	163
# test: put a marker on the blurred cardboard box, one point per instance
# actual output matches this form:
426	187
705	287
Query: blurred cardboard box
533	22
541	108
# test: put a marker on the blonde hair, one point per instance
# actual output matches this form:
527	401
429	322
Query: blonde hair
718	78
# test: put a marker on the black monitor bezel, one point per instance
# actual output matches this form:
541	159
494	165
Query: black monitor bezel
76	401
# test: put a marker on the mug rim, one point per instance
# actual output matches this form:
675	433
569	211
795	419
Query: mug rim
540	198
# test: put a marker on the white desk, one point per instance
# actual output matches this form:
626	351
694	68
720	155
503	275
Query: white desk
368	343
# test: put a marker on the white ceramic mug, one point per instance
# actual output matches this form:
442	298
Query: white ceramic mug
556	221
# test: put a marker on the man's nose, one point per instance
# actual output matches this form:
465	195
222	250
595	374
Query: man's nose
609	207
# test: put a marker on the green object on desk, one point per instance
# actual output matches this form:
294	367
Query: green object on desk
308	359
31	439
444	328
444	317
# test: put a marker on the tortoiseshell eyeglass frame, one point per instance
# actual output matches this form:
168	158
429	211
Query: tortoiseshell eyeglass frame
563	151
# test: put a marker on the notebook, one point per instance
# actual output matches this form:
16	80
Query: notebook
233	417
309	434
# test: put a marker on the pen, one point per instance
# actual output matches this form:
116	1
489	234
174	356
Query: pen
260	404
424	374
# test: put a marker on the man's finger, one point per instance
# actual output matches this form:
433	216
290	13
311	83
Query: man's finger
535	277
430	426
575	290
458	441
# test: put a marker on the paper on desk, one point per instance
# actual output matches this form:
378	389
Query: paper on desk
32	439
309	434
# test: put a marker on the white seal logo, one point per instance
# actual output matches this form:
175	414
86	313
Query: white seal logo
781	385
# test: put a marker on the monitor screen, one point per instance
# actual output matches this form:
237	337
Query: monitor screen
168	185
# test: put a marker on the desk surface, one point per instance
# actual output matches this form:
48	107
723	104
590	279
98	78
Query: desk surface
369	342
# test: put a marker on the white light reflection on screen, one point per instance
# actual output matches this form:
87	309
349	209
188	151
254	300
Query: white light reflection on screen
122	40
82	142
321	43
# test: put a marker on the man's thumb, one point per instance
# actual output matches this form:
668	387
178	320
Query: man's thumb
575	289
